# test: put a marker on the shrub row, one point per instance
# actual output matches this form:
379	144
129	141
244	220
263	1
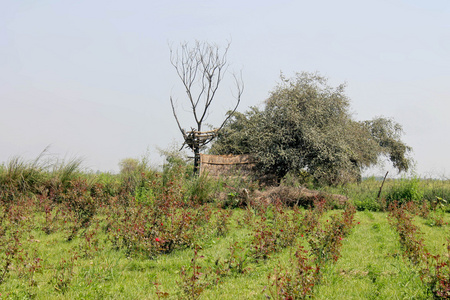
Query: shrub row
434	269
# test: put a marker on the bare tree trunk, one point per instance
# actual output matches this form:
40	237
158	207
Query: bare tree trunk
196	161
201	69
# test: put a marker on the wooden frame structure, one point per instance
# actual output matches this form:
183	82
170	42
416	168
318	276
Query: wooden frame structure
227	165
198	139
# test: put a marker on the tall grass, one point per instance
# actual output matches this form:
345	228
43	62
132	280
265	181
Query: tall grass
365	194
66	171
405	190
21	176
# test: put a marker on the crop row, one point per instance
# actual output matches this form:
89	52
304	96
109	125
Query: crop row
434	270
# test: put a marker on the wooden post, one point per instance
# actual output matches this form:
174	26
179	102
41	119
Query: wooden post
381	187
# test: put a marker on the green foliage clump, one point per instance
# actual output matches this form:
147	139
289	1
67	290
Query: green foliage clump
306	125
200	189
406	190
433	188
369	203
20	176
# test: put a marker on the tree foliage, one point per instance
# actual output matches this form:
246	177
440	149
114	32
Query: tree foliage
306	125
128	165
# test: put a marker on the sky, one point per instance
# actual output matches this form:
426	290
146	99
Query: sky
93	79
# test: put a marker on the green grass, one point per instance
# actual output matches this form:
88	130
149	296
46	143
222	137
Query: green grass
371	267
364	194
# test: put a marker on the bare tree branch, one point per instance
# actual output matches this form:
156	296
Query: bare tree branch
201	69
240	88
176	118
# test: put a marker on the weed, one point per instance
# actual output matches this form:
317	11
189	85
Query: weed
192	281
264	240
65	273
235	262
296	282
222	221
200	189
89	245
160	294
29	266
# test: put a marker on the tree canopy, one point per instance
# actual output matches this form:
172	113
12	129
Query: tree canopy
306	125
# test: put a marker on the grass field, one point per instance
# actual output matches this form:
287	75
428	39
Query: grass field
154	235
371	266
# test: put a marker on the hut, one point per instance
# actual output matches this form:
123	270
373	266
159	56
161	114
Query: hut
227	165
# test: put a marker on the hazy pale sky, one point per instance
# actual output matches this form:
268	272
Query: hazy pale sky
93	78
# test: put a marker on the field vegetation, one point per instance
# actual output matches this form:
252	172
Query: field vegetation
148	234
171	233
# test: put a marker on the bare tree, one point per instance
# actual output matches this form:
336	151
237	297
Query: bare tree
201	69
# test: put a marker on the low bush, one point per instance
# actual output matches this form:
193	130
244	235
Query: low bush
297	281
368	203
200	189
405	190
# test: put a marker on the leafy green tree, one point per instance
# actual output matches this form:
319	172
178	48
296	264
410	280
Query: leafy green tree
306	125
129	166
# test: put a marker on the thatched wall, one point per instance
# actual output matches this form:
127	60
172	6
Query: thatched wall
227	165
